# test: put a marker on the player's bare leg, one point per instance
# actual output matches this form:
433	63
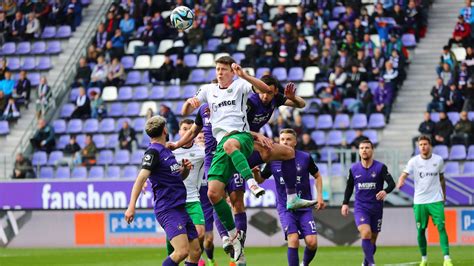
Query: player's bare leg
292	253
367	246
310	250
194	251
180	244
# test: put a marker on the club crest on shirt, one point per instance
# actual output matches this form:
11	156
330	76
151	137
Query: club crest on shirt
362	219
180	227
373	174
191	154
298	167
229	90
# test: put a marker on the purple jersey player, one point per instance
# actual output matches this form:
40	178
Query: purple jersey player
166	176
296	223
368	177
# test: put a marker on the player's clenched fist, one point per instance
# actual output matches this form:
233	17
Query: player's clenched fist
238	70
345	210
129	215
194	102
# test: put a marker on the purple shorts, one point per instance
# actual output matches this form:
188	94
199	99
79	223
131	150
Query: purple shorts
176	221
255	159
371	217
236	183
301	222
207	209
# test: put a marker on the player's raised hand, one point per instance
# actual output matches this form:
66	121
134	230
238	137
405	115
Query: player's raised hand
321	205
381	195
129	215
266	142
238	70
186	164
290	91
171	145
256	169
194	102
345	210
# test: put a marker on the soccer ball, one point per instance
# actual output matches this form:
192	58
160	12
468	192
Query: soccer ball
182	17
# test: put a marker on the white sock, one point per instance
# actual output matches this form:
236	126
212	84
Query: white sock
232	233
291	196
424	258
251	182
446	257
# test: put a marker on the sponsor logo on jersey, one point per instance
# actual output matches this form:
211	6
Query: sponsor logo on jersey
366	186
147	160
216	106
175	167
427	174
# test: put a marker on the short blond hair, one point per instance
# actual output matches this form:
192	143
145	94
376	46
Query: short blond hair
155	126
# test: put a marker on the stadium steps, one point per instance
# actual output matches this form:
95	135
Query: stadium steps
408	108
11	141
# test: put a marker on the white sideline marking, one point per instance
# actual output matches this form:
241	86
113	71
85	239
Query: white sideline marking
403	263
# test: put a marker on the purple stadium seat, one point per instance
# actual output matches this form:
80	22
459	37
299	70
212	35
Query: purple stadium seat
91	125
457	152
468	168
107	125
318	137
178	108
348	102
38	47
48	32
295	74
99	141
441	150
210	75
112	141
350	136
137	157
145	77
157	93
64	32
359	121
320	85
261	70
373	86
333	24
113	172
140	93
23	48
63	172
453	116
120	122
337	11
470	153
312	106
408	40
39	158
189	91
451	168
54	47
133	109
145	141
133	78
54	157
238	57
334	138
372	135
29	63
105	157
8	48
328	154
212	45
81	140
96	172
139	124
46	172
324	122
44	63
323	169
74	126
280	73
73	93
376	120
79	172
190	60
434	117
93	89
470	115
86	2
341	121
130	172
122	157
62	142
34	78
197	76
128	62
13	63
116	109
4	128
125	94
59	126
309	121
173	92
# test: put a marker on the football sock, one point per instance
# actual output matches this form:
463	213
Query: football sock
241	221
190	264
424	258
293	259
241	164
443	240
288	169
169	247
220	227
169	262
446	257
308	255
210	252
368	249
422	241
225	214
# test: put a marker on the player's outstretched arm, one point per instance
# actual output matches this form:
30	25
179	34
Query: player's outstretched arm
256	175
292	99
190	105
381	195
137	188
189	136
319	189
401	180
347	194
259	85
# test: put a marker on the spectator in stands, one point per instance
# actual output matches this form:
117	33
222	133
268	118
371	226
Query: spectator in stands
447	75
354	78
469	97
3	101
171	120
249	20
92	54
278	126
195	39
328	104
116	74
118	41
23	168
56	16
18	27
233	19
462	77
111	24
165	73
72	147
7	85
83	75
100	38
468	13
463	131
3	27
462	29
148	37
252	52
159	25
74	14
11	112
10	8
3	68
447	57
22	90
443	129
301	52
42	10
33	27
325	63
43	94
181	71
127	25
83	105
44	137
268	53
88	153
307	143
390	75
439	95
98	109
364	101
344	59
426	128
339	77
99	73
127	135
228	40
454	100
383	99
284	53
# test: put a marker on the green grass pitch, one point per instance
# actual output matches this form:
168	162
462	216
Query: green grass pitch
255	256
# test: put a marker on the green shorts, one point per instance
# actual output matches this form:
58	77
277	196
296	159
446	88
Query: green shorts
222	167
424	211
194	210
